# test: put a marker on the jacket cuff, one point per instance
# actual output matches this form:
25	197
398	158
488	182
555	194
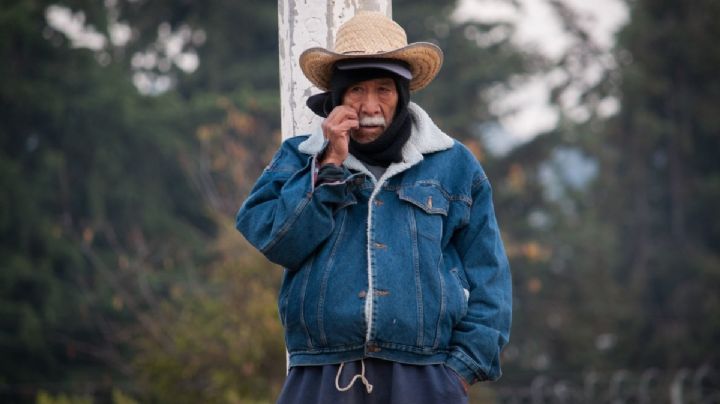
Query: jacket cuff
329	173
338	191
465	367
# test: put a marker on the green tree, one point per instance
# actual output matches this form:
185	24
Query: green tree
663	169
95	205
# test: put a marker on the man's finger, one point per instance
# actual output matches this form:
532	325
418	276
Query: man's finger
342	112
341	128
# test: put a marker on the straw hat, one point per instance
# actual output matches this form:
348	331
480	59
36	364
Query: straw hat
372	35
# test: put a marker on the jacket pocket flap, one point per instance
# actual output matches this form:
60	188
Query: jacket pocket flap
427	197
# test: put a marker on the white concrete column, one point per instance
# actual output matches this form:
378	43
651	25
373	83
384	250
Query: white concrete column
304	24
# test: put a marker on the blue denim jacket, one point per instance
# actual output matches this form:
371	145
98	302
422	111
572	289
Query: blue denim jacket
409	267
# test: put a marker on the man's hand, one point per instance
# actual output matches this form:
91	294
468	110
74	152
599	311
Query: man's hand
336	129
465	385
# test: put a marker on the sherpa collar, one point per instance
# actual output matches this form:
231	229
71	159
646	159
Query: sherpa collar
425	138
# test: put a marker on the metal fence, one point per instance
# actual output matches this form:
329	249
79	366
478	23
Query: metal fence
684	386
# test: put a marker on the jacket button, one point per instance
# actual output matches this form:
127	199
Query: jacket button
371	347
378	202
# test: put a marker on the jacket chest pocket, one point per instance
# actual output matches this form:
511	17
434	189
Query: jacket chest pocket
429	208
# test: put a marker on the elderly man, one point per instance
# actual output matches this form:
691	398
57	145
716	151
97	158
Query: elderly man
395	273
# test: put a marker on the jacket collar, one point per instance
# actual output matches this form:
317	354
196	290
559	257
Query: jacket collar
425	138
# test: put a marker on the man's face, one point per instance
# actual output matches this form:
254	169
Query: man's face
375	102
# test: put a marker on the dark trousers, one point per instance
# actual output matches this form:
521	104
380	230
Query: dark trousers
392	383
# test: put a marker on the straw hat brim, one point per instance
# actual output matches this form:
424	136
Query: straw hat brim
424	58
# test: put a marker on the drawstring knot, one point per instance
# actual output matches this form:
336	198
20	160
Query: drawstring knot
361	376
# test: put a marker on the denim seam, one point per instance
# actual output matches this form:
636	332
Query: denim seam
443	300
478	182
430	211
331	349
479	372
464	303
302	303
326	273
414	349
448	195
418	283
290	222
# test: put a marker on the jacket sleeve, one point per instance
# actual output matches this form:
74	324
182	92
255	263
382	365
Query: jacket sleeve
285	216
477	340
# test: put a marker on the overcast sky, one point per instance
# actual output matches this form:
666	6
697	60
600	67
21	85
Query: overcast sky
525	109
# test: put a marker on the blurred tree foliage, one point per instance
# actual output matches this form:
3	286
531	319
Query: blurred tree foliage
623	272
112	209
92	194
663	182
123	278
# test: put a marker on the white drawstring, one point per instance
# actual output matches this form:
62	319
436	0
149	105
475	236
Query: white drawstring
361	376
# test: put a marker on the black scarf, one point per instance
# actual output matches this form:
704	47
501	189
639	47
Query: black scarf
387	148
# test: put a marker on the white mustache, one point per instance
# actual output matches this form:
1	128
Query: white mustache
378	120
